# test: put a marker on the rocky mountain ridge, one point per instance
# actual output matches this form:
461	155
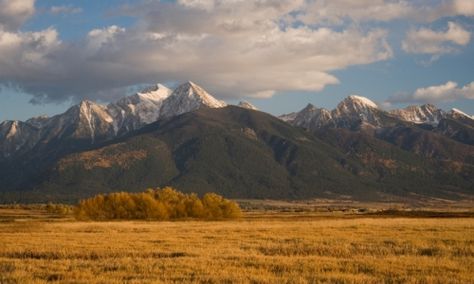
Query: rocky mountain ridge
189	139
93	123
357	113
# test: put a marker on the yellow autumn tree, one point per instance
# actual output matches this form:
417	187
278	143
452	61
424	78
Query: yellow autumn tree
156	204
218	207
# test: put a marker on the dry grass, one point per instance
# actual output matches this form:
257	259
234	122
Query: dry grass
255	250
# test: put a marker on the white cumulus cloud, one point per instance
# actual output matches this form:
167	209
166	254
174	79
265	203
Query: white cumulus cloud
427	41
450	91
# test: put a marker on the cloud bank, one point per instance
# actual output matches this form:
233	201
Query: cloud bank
233	47
253	48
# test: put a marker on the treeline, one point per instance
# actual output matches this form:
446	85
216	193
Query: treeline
156	204
59	209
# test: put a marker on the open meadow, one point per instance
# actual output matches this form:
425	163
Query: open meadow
281	247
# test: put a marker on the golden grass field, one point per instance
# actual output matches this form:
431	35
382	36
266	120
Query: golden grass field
259	248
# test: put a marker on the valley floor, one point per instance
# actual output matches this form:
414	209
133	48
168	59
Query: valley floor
257	248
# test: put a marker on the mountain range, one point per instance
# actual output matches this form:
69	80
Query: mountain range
187	138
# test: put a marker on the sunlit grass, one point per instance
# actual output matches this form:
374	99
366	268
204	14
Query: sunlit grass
360	250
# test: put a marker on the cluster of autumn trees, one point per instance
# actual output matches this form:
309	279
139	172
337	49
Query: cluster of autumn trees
156	204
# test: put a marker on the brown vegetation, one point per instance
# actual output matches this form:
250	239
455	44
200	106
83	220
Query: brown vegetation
104	158
158	204
58	209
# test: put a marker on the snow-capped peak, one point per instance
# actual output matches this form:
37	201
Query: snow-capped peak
457	112
355	111
141	108
354	105
312	117
362	100
188	97
247	105
194	91
156	92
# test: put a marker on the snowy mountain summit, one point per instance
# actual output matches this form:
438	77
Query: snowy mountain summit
91	123
456	113
157	92
142	108
357	109
188	97
353	112
356	112
355	104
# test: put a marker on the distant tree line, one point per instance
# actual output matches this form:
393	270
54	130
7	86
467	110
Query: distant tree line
156	204
59	209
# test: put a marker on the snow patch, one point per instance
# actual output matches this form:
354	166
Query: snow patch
188	97
460	112
13	130
363	100
157	92
428	113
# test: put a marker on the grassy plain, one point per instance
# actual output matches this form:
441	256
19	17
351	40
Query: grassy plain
262	247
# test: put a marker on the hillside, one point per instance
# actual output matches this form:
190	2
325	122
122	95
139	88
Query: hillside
242	153
188	139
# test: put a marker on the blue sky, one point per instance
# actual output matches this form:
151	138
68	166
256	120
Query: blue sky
278	56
